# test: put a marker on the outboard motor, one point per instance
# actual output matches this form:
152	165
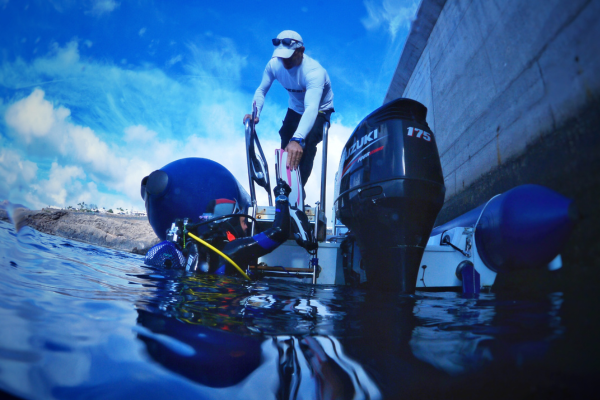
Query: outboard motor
390	189
183	189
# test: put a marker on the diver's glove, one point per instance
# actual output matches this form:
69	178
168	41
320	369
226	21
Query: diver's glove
302	229
282	189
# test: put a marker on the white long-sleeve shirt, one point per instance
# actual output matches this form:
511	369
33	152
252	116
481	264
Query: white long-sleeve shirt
309	88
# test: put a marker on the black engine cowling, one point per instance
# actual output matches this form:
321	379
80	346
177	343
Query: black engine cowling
389	191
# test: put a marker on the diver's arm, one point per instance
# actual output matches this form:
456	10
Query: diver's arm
244	250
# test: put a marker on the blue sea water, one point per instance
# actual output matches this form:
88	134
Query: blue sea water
84	322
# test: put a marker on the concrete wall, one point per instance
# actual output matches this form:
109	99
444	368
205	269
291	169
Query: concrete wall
513	93
497	74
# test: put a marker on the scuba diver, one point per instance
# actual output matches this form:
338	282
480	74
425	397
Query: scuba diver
218	243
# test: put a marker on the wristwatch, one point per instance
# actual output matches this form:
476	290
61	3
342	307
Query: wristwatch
300	141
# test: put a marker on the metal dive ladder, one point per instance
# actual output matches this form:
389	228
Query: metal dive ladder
258	173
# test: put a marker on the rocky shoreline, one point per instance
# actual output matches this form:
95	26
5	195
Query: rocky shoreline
131	234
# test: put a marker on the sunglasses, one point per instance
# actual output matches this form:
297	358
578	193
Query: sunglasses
286	41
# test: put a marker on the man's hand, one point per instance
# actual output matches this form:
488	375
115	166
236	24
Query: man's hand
248	116
294	155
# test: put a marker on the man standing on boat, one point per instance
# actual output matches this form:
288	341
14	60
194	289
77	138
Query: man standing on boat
310	104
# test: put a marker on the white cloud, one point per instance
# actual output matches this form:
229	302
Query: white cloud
116	125
223	63
174	60
33	116
60	62
55	136
64	186
60	184
118	168
390	14
16	174
90	150
100	7
139	133
142	31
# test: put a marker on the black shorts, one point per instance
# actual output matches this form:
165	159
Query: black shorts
290	124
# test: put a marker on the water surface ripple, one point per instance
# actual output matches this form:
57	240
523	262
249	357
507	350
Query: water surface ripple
80	321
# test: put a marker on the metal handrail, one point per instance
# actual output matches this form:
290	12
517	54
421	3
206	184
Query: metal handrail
248	161
252	140
250	180
324	164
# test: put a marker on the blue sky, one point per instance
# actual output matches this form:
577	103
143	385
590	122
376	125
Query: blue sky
96	94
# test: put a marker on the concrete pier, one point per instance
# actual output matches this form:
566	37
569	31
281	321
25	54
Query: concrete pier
513	93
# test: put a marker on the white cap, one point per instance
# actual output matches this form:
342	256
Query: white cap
284	51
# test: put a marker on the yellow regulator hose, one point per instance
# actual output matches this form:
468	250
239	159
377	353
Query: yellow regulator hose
210	246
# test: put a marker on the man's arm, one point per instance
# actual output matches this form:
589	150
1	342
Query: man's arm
261	92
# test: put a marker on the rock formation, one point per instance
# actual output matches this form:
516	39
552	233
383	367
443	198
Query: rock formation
130	234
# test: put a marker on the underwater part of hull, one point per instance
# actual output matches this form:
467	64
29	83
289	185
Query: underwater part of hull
183	189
